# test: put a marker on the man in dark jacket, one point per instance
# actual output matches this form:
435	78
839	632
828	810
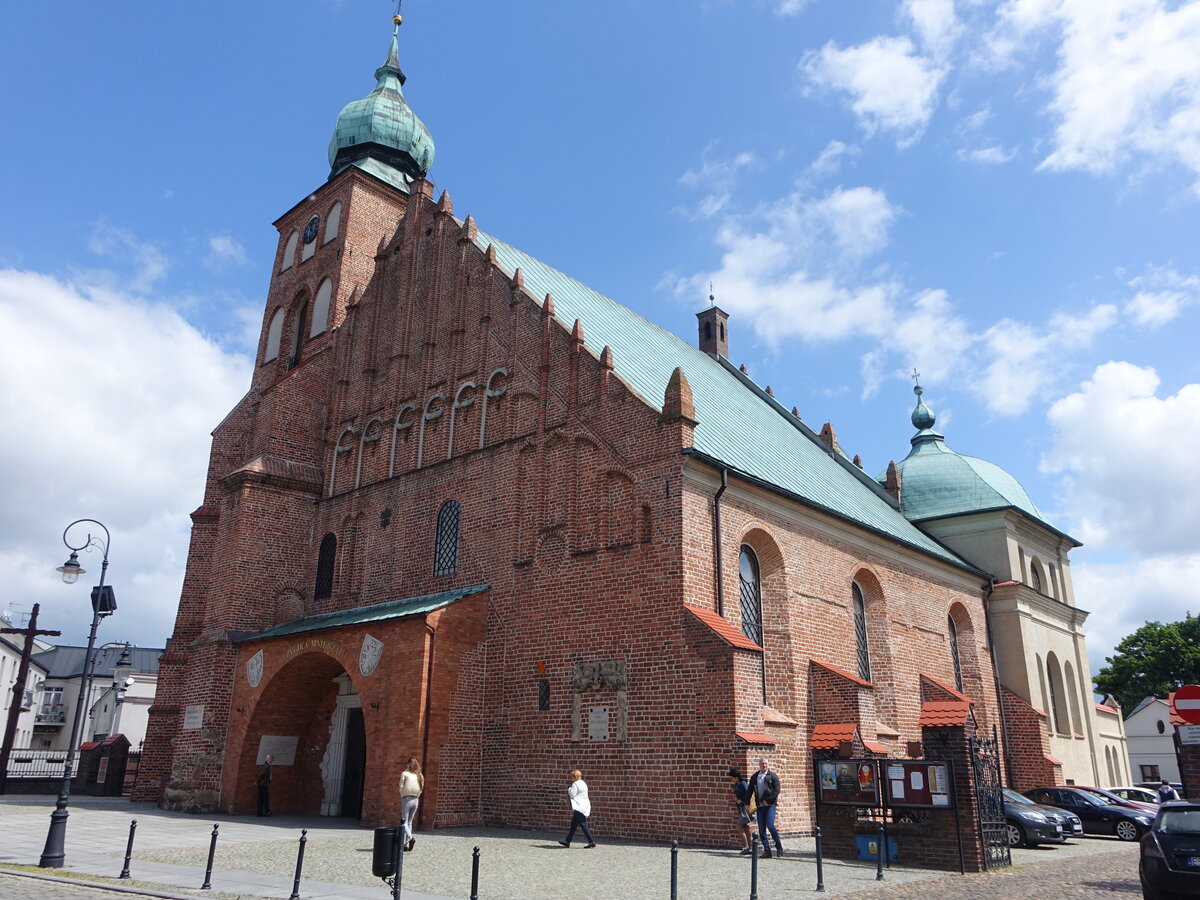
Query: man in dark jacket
263	781
764	785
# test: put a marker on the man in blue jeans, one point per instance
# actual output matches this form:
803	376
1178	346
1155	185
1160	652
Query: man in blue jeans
764	785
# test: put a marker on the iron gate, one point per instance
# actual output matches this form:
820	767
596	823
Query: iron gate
989	799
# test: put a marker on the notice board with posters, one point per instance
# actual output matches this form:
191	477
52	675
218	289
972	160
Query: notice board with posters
918	783
848	782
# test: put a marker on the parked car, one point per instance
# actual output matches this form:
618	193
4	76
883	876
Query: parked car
1170	857
1099	815
1136	794
1030	824
1151	808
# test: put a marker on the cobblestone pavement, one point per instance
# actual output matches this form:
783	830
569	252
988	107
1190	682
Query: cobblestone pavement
15	887
255	858
1111	875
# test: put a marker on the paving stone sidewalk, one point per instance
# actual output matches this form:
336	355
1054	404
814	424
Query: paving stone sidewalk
256	858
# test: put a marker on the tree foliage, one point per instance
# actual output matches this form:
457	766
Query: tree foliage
1153	661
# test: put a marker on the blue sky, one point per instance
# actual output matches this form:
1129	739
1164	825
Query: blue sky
1000	194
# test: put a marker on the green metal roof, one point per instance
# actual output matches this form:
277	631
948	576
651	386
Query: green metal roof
394	609
937	482
382	126
740	426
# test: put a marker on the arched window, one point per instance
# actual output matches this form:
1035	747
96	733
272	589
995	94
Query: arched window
1059	711
1073	695
289	252
952	631
751	595
326	557
333	222
274	336
860	633
1035	576
445	546
320	310
298	335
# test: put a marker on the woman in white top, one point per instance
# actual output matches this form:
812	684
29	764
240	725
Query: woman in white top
412	782
581	808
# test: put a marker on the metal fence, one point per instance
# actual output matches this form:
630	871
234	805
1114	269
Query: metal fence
39	764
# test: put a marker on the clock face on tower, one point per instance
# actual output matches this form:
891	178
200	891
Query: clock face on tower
310	230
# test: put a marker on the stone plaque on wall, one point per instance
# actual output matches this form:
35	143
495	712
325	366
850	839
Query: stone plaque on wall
1189	734
254	669
282	746
193	717
368	656
597	723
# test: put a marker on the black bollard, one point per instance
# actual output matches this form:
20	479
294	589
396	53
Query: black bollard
879	854
674	870
128	849
754	867
820	861
397	863
212	851
295	895
475	874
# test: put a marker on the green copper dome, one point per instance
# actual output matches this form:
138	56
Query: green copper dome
935	481
382	128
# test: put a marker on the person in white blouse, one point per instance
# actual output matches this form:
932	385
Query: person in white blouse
412	782
581	808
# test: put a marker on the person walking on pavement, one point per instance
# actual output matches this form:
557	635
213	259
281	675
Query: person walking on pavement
741	800
263	781
1166	792
412	782
764	786
581	808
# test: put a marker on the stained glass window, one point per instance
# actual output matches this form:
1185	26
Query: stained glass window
445	548
860	634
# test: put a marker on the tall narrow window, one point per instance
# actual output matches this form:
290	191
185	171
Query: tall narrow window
298	335
751	593
860	633
320	310
952	631
274	336
445	547
325	561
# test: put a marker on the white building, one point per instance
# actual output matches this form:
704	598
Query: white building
1150	735
59	696
10	663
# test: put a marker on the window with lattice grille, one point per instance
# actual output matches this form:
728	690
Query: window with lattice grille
325	564
751	595
952	630
445	547
860	634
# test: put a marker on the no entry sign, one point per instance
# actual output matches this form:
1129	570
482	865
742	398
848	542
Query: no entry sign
1187	703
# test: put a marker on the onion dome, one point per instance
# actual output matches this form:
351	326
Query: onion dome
936	481
380	132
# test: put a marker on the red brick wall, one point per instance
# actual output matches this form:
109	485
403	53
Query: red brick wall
1030	764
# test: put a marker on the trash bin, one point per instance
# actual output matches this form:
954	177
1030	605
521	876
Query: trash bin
384	854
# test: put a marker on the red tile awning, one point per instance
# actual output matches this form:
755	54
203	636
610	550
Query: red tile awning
752	737
944	713
1051	759
938	683
842	672
1104	707
876	747
723	629
830	737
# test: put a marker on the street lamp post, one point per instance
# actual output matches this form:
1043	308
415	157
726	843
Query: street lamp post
103	604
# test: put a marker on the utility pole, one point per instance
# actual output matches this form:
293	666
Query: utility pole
14	711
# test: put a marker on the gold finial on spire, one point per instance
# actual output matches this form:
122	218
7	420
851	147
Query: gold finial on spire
397	19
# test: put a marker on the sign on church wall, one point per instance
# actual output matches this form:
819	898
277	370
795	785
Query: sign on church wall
193	717
282	747
848	782
1189	734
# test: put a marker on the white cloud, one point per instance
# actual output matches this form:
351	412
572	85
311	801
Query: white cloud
994	155
225	252
891	86
1127	457
120	245
936	24
830	159
858	218
1022	361
110	402
1127	84
1162	295
716	177
790	7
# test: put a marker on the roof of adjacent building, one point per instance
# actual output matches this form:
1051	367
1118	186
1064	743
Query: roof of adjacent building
739	425
393	609
67	661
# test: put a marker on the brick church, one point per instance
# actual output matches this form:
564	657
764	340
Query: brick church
474	512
